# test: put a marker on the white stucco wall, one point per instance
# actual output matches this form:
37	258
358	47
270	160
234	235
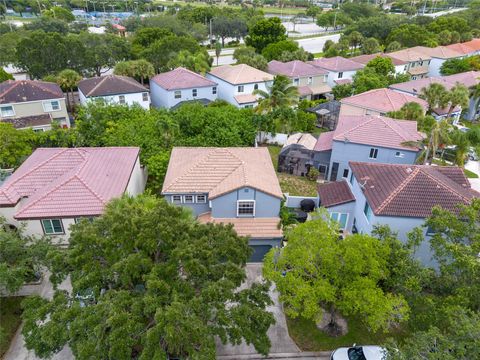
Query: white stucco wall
130	99
162	98
333	75
138	179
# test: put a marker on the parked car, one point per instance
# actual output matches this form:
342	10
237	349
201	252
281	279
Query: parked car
472	154
369	352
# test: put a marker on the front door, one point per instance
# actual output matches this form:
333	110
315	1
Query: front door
333	175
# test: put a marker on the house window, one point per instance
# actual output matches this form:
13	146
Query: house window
177	199
214	90
341	218
414	78
345	173
121	99
399	154
188	199
52	226
296	82
255	87
310	80
194	92
51	105
430	231
245	208
178	94
240	88
373	153
340	75
248	106
7	111
367	210
145	96
201	199
351	178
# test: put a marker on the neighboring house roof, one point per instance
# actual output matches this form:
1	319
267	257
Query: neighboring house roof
440	52
337	64
294	68
409	55
342	81
334	193
467	47
63	182
306	140
110	85
12	91
373	130
365	59
256	227
245	99
412	190
469	78
181	78
382	100
218	171
324	142
240	74
29	121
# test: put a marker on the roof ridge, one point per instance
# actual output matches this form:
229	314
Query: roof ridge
38	84
15	84
388	97
245	179
404	183
96	86
389	123
445	185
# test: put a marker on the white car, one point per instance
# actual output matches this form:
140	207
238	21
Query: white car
359	353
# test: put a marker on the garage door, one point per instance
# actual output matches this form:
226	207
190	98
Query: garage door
259	252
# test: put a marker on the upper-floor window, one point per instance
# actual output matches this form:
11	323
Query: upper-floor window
121	99
178	94
188	199
255	87
296	82
53	105
430	231
310	80
373	153
351	178
214	90
399	154
194	92
201	199
7	111
246	208
340	75
52	226
240	88
145	96
345	173
177	199
341	218
367	210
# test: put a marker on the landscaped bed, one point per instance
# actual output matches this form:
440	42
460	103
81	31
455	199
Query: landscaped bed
10	311
292	184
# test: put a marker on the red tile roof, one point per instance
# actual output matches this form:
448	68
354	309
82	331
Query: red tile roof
324	142
372	130
28	90
294	68
337	64
181	78
467	47
365	59
469	78
382	100
64	182
412	190
342	81
110	85
335	193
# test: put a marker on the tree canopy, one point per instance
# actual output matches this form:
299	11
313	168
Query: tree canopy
265	32
149	281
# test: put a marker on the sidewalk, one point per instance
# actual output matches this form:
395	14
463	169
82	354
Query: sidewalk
474	166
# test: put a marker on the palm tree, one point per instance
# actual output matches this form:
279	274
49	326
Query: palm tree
142	69
435	95
462	146
475	95
457	96
281	94
68	80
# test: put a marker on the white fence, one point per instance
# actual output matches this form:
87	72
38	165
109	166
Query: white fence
269	138
294	201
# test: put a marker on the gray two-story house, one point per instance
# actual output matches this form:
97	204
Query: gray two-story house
366	138
235	186
400	196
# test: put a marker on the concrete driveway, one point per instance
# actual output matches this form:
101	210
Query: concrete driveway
278	333
474	166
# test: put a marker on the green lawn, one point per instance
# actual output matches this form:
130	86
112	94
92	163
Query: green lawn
309	338
470	174
10	311
292	184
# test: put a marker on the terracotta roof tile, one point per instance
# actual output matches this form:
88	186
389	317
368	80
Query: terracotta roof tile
218	171
257	228
337	64
335	193
240	74
110	85
245	98
466	48
29	121
69	182
440	52
365	59
294	68
409	55
412	190
382	100
325	141
28	90
181	78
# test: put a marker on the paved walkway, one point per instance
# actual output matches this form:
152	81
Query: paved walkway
474	166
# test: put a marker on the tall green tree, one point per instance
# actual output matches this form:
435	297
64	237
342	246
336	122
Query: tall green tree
247	55
68	80
139	69
264	32
319	272
148	281
60	13
281	94
458	95
15	145
199	62
4	76
274	51
435	95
